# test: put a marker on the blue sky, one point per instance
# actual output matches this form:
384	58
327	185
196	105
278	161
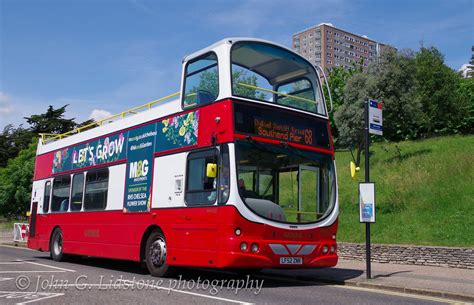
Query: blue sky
105	56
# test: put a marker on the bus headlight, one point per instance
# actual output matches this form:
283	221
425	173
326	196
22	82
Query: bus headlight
325	249
332	249
243	246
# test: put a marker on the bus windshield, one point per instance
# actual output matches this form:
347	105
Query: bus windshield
272	74
285	184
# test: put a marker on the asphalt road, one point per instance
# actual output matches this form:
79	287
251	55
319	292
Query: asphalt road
28	276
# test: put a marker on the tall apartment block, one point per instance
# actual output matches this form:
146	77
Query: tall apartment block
328	47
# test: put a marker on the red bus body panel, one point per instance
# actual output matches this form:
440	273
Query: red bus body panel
195	236
200	237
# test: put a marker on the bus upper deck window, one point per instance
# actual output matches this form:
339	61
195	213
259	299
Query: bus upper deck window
201	84
273	74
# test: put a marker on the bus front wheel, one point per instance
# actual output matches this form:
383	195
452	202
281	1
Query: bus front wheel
155	255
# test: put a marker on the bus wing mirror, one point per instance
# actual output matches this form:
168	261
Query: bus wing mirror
211	170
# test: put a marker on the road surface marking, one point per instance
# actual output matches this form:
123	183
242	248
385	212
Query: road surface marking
15	295
165	289
3	279
190	293
53	267
32	271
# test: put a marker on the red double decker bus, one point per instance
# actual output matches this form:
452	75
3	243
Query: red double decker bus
238	172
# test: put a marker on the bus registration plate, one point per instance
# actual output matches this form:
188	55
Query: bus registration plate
291	260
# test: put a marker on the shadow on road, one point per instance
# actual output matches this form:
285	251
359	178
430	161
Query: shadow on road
272	277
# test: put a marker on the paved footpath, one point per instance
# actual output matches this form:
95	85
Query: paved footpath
452	283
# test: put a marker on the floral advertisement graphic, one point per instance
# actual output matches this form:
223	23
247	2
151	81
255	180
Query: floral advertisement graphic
61	160
104	150
178	131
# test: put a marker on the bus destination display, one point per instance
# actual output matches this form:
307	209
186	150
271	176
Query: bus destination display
280	125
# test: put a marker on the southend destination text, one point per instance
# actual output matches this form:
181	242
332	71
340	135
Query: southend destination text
284	132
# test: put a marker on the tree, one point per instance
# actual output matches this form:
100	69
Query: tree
16	182
337	79
17	157
12	140
394	85
52	121
436	89
466	100
349	116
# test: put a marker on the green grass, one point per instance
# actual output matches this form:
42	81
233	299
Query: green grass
424	193
6	224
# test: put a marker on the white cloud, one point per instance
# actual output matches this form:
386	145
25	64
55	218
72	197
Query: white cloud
6	108
275	20
99	114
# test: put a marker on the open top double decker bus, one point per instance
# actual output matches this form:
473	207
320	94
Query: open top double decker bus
238	172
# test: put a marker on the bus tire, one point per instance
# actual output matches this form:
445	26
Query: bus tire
56	246
155	255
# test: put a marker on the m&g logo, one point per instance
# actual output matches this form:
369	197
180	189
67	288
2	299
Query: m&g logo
138	169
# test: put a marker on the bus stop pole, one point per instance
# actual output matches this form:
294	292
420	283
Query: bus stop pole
367	179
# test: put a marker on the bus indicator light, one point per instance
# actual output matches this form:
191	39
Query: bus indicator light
254	248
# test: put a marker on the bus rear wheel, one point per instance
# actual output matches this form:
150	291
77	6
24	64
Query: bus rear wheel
56	246
155	255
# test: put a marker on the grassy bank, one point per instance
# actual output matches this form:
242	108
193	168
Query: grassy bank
425	193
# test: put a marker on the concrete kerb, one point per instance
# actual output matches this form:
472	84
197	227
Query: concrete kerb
370	284
419	291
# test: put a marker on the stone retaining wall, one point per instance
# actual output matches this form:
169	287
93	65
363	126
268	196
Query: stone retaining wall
411	255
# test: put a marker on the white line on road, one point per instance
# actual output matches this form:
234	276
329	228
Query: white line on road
32	271
189	292
15	294
53	267
165	289
3	279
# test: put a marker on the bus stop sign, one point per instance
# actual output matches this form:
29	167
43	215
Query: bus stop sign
375	117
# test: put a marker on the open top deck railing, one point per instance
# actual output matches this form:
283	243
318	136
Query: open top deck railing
50	137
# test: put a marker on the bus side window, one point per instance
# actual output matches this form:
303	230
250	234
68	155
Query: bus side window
47	196
200	189
60	200
201	83
77	191
97	187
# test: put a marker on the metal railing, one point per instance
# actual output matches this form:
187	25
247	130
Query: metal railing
49	137
278	93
